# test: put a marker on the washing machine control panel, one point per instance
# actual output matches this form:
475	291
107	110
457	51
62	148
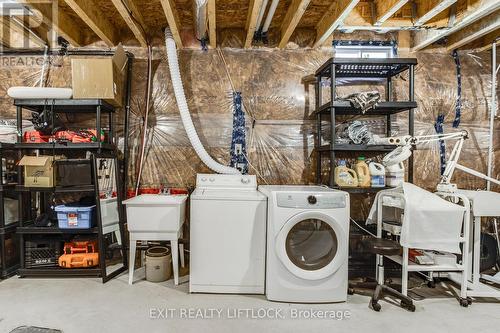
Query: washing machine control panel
311	200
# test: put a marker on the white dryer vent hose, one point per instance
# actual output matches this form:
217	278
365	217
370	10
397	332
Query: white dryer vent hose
175	74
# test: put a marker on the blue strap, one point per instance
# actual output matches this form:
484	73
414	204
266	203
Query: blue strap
438	126
238	156
458	103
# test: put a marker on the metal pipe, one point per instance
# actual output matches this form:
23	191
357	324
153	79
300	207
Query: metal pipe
146	115
44	65
261	14
493	110
270	15
411	119
41	52
126	154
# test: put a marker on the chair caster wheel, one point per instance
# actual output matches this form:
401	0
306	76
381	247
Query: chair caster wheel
375	306
464	302
408	306
431	284
350	291
469	300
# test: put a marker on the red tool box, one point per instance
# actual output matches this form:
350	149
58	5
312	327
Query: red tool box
80	254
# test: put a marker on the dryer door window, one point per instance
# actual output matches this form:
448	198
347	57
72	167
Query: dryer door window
311	244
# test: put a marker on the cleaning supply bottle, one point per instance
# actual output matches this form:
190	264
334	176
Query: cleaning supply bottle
363	172
345	177
377	173
395	175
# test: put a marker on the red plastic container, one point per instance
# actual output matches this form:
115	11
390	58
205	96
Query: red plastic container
178	191
35	137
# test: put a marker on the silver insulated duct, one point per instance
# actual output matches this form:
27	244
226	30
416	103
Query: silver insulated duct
201	18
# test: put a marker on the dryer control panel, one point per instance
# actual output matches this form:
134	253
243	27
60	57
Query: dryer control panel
311	200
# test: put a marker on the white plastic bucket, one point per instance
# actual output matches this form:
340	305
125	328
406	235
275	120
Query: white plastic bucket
158	264
395	175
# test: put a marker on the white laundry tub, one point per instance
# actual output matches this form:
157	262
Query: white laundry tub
154	213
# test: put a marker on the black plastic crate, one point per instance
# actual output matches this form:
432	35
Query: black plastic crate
9	253
42	253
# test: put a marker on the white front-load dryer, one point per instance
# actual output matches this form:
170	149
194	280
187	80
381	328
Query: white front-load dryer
307	244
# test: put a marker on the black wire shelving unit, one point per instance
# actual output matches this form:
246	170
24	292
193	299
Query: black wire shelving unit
362	70
382	71
102	148
9	242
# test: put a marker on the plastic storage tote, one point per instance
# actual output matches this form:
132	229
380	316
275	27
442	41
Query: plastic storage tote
72	217
109	211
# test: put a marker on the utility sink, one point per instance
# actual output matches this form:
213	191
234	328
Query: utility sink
484	203
155	213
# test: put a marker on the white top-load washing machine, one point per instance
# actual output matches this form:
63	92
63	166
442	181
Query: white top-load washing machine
307	244
227	235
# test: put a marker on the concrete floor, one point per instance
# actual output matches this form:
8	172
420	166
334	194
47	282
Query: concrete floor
87	305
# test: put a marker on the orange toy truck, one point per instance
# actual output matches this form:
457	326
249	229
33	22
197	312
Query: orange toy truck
81	254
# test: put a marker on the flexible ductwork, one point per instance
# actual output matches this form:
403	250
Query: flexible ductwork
270	14
201	18
175	74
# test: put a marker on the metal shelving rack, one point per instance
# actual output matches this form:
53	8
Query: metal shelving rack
8	265
342	68
95	150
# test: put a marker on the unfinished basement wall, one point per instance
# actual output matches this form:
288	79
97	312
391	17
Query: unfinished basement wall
278	98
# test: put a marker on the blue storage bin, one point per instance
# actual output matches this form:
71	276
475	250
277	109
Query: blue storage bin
73	217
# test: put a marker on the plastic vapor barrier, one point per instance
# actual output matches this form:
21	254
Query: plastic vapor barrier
278	98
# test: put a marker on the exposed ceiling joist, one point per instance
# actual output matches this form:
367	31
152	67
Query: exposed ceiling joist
424	38
63	24
362	15
4	35
387	8
488	46
474	31
21	27
212	24
253	14
7	35
431	9
383	29
133	18
334	16
89	12
292	19
173	20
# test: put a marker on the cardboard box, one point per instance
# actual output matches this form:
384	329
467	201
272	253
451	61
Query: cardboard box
99	77
38	170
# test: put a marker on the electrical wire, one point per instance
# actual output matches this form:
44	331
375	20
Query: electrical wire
255	169
360	227
231	83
